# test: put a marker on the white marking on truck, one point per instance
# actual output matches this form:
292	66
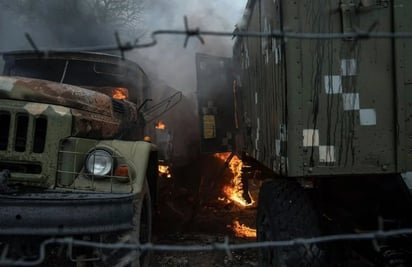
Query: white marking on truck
310	137
257	135
326	154
284	162
348	67
350	101
333	84
283	132
277	148
367	117
265	41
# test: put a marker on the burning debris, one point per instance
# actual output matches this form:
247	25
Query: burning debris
120	93
164	171
208	194
160	125
164	140
242	230
235	190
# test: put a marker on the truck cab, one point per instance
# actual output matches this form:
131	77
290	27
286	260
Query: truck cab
72	157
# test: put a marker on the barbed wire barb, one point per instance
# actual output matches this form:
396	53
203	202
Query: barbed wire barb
227	248
191	33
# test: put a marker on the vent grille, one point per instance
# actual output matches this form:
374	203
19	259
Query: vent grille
40	130
21	167
18	131
118	106
4	129
22	124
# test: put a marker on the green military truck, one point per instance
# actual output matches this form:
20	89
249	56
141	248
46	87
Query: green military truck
73	159
325	122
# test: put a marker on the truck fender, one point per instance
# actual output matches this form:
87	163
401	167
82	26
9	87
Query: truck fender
137	154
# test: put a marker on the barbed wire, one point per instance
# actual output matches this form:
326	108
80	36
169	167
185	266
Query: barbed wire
225	246
190	32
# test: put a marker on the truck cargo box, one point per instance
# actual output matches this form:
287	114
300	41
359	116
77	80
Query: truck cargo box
327	106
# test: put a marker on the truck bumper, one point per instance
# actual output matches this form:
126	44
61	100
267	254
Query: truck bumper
65	213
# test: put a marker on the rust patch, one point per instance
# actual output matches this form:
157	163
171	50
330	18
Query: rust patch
90	125
61	94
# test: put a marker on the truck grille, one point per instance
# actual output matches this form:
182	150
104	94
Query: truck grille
21	167
30	134
15	133
4	129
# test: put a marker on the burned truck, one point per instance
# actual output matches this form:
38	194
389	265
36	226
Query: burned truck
73	158
323	117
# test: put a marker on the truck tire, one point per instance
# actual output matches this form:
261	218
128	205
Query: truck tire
285	212
140	233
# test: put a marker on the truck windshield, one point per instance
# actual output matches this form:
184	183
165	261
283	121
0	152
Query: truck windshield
109	75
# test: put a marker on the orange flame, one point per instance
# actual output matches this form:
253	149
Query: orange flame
160	125
242	230
120	93
234	191
164	171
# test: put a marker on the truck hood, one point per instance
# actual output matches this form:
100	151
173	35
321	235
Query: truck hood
41	91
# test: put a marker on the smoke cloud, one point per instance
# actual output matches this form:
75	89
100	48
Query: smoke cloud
174	63
58	24
170	62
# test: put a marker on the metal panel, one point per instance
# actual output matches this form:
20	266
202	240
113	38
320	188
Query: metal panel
60	213
340	90
251	94
403	64
215	91
334	114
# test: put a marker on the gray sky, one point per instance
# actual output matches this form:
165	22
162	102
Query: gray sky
159	14
167	57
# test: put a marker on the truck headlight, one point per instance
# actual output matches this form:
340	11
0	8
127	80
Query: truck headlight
99	162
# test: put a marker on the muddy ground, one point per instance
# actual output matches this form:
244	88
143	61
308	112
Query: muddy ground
210	225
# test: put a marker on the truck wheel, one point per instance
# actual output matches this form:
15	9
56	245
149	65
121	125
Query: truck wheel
285	212
140	233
